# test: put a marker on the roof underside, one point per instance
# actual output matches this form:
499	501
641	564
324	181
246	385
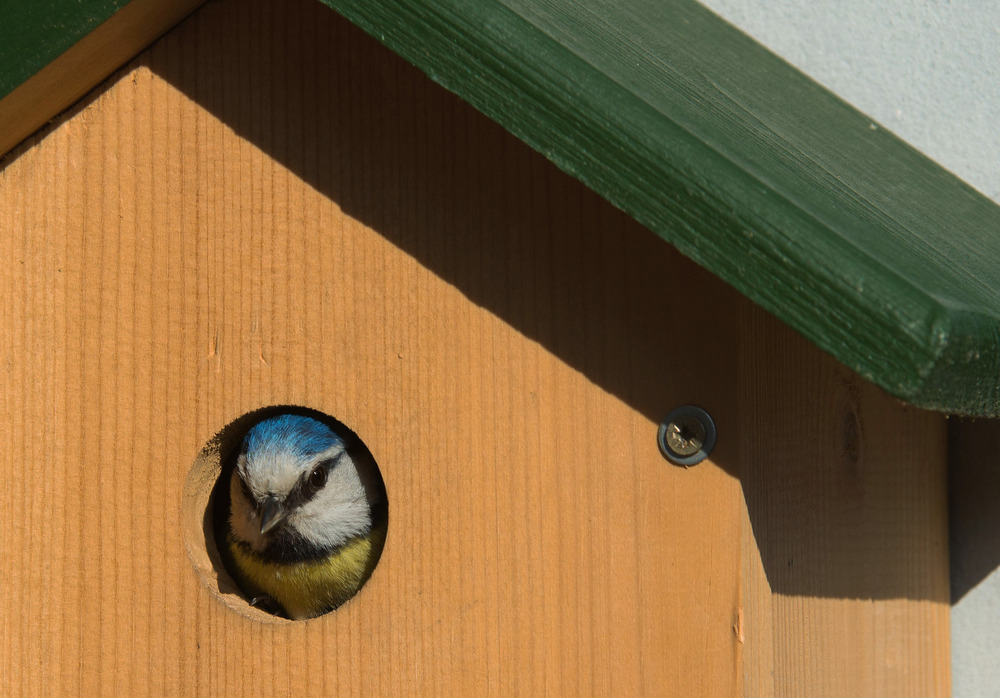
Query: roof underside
852	237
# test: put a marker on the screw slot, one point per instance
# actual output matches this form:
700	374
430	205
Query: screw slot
686	435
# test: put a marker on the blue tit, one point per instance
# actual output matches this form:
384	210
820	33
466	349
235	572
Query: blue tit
306	524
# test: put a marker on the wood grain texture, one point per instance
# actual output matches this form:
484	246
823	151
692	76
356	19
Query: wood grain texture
53	52
846	490
270	208
355	240
867	247
33	34
864	245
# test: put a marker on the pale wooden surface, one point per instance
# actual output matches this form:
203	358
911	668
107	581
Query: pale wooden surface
847	494
68	78
268	208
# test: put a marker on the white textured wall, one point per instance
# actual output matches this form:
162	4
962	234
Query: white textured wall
975	641
930	72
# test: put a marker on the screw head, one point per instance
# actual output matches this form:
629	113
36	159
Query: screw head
686	435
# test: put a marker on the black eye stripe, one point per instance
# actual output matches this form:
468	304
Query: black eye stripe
310	484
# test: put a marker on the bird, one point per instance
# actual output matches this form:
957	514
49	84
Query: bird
307	520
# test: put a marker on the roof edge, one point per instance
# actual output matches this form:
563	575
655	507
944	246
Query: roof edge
893	333
60	76
731	213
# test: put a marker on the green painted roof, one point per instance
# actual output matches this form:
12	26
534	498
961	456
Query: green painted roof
33	33
845	232
868	248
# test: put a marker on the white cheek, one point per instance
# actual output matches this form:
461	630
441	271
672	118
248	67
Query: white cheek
338	513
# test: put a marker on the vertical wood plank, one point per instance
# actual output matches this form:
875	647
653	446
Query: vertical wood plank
108	43
847	499
269	208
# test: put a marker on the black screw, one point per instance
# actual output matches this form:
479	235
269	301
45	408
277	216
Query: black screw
687	435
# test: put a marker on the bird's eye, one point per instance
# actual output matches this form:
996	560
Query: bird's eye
317	478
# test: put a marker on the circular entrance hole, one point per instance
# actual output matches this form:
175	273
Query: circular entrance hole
310	509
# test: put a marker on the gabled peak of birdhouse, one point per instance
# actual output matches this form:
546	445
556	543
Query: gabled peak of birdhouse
868	248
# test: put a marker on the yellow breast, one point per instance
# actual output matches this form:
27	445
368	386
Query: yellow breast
306	589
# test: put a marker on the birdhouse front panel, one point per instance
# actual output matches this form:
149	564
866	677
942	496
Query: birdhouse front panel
268	210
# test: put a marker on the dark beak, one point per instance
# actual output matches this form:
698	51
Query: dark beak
272	513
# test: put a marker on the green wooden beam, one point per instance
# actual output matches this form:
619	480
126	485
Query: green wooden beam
868	248
865	246
35	33
52	52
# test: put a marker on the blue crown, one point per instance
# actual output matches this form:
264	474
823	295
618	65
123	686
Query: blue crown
300	437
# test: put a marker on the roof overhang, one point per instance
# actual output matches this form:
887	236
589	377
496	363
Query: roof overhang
868	248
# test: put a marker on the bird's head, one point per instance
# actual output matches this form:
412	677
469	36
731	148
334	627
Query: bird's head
295	484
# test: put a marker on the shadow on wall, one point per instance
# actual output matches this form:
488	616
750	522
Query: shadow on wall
454	190
448	186
974	493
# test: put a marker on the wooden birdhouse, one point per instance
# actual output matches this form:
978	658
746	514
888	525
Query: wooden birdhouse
501	242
